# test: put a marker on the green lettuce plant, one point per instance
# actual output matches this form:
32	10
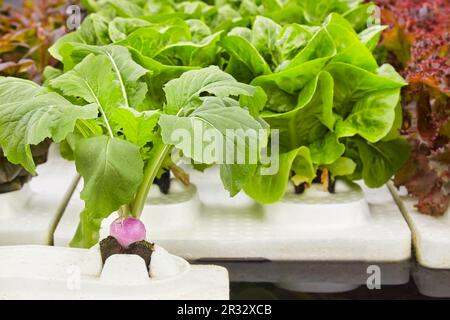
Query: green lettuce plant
92	108
336	110
318	83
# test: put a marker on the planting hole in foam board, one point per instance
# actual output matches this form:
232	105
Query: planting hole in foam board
43	272
373	228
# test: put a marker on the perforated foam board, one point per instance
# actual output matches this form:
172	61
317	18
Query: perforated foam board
355	224
45	272
431	235
29	216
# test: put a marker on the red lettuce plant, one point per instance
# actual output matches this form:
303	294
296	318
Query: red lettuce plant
418	41
26	33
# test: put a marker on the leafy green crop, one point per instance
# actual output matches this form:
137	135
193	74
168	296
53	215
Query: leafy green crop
331	102
118	150
318	83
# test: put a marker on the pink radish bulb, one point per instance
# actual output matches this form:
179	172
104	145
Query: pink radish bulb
127	231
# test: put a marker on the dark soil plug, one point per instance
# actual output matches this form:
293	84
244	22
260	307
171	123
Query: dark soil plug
143	249
110	246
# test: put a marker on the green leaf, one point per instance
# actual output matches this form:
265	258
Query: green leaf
381	160
120	28
126	9
95	81
152	40
362	83
264	37
112	170
372	117
326	150
371	36
342	167
30	114
214	118
271	188
242	50
127	72
291	39
304	170
310	119
87	233
234	176
184	90
293	79
199	30
186	53
137	127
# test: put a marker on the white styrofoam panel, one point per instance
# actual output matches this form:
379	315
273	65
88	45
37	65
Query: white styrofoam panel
354	225
28	216
44	272
431	235
432	282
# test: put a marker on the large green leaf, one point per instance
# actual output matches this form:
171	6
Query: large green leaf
215	119
30	114
127	72
362	83
381	160
188	88
95	81
112	170
311	118
372	117
271	188
152	40
264	37
243	51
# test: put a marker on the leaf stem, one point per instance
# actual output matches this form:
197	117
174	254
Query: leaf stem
151	170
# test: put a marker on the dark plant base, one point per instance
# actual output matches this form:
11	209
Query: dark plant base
110	246
320	178
163	182
12	176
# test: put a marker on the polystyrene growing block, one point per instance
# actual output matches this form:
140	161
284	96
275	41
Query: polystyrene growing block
432	282
354	224
431	235
44	272
29	216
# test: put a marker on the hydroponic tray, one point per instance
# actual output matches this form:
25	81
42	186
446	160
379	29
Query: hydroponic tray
432	282
318	276
355	224
431	235
44	272
29	216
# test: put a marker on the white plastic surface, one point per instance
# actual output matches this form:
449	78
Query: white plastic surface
431	235
353	225
42	272
432	282
28	216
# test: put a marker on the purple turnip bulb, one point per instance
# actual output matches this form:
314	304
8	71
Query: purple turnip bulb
127	231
